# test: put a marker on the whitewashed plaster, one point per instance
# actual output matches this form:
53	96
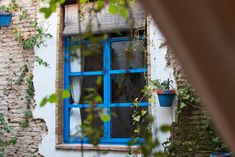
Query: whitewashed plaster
159	70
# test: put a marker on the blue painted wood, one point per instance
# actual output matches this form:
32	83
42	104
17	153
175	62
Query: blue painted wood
86	73
66	87
116	141
107	72
109	86
83	105
5	19
106	88
221	155
138	70
142	104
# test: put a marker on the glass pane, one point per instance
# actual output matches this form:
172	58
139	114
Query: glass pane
128	55
121	122
86	89
127	87
87	58
97	123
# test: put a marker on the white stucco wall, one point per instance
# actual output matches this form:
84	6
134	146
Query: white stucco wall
163	115
44	81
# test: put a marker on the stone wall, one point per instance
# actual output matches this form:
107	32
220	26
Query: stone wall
12	96
191	134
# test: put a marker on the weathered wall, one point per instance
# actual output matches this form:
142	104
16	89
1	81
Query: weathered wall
191	135
159	70
12	96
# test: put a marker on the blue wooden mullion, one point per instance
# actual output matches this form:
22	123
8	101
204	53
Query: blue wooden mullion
123	71
105	85
66	87
86	73
83	105
141	104
109	89
114	141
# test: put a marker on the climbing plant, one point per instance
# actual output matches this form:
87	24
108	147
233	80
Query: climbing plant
4	128
37	38
195	134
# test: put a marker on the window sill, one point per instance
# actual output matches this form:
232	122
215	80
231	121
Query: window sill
89	147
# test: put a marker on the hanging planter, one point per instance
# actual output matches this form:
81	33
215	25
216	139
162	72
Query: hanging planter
165	97
165	92
5	19
221	155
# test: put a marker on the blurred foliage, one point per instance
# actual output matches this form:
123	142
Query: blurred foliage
115	6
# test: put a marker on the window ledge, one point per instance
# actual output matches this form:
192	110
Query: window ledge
90	147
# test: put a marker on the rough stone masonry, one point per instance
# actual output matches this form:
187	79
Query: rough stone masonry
12	96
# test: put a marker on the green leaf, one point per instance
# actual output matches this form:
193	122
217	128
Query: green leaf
137	131
182	105
98	99
53	98
28	113
46	11
105	117
136	103
99	5
113	9
143	112
165	128
123	12
65	94
13	140
44	101
137	118
83	1
99	81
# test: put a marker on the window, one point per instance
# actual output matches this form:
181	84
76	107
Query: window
121	63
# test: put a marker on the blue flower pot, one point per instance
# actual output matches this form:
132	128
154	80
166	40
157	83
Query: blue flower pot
221	155
5	19
165	97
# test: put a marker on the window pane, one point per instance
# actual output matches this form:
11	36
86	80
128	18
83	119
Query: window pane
87	58
128	55
127	87
85	89
121	122
97	123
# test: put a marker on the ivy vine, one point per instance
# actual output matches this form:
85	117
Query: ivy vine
4	128
39	36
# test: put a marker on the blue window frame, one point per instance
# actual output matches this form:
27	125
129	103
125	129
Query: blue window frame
108	74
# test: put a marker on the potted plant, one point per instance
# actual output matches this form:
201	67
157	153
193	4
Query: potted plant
220	154
5	17
165	92
220	149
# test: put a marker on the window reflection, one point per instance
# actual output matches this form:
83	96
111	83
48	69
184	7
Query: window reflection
127	55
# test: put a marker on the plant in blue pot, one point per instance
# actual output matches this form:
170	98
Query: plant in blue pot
221	149
5	16
165	92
